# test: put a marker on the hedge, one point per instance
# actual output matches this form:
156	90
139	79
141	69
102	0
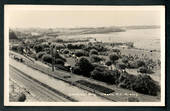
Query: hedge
105	75
141	83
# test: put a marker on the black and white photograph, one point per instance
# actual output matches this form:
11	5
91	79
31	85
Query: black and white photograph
68	55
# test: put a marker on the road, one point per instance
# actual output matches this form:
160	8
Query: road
40	92
62	88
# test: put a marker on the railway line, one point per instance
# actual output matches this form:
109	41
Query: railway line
40	92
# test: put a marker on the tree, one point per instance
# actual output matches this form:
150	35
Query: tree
113	58
39	55
105	75
85	66
77	70
95	58
69	46
144	70
45	45
80	53
125	59
116	50
146	85
132	64
75	46
15	48
93	51
21	97
108	63
47	58
121	65
20	49
140	63
38	48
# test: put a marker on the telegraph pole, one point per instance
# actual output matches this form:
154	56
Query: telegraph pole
52	55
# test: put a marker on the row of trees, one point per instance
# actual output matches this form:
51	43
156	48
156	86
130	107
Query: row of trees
140	83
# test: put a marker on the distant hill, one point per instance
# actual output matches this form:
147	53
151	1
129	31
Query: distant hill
142	27
18	33
87	30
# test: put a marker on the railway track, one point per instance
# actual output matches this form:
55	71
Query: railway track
41	91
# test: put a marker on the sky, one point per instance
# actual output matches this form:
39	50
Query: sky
86	18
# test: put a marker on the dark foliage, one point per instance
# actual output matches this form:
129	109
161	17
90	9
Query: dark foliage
75	46
93	51
20	49
132	64
146	85
77	70
140	63
98	47
39	55
96	65
59	40
80	53
85	66
103	53
113	57
95	58
22	97
59	46
14	48
108	63
142	83
126	80
121	65
105	75
125	59
145	70
116	50
38	48
59	61
58	56
136	64
47	58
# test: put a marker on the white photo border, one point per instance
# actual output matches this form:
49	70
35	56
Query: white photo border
9	8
